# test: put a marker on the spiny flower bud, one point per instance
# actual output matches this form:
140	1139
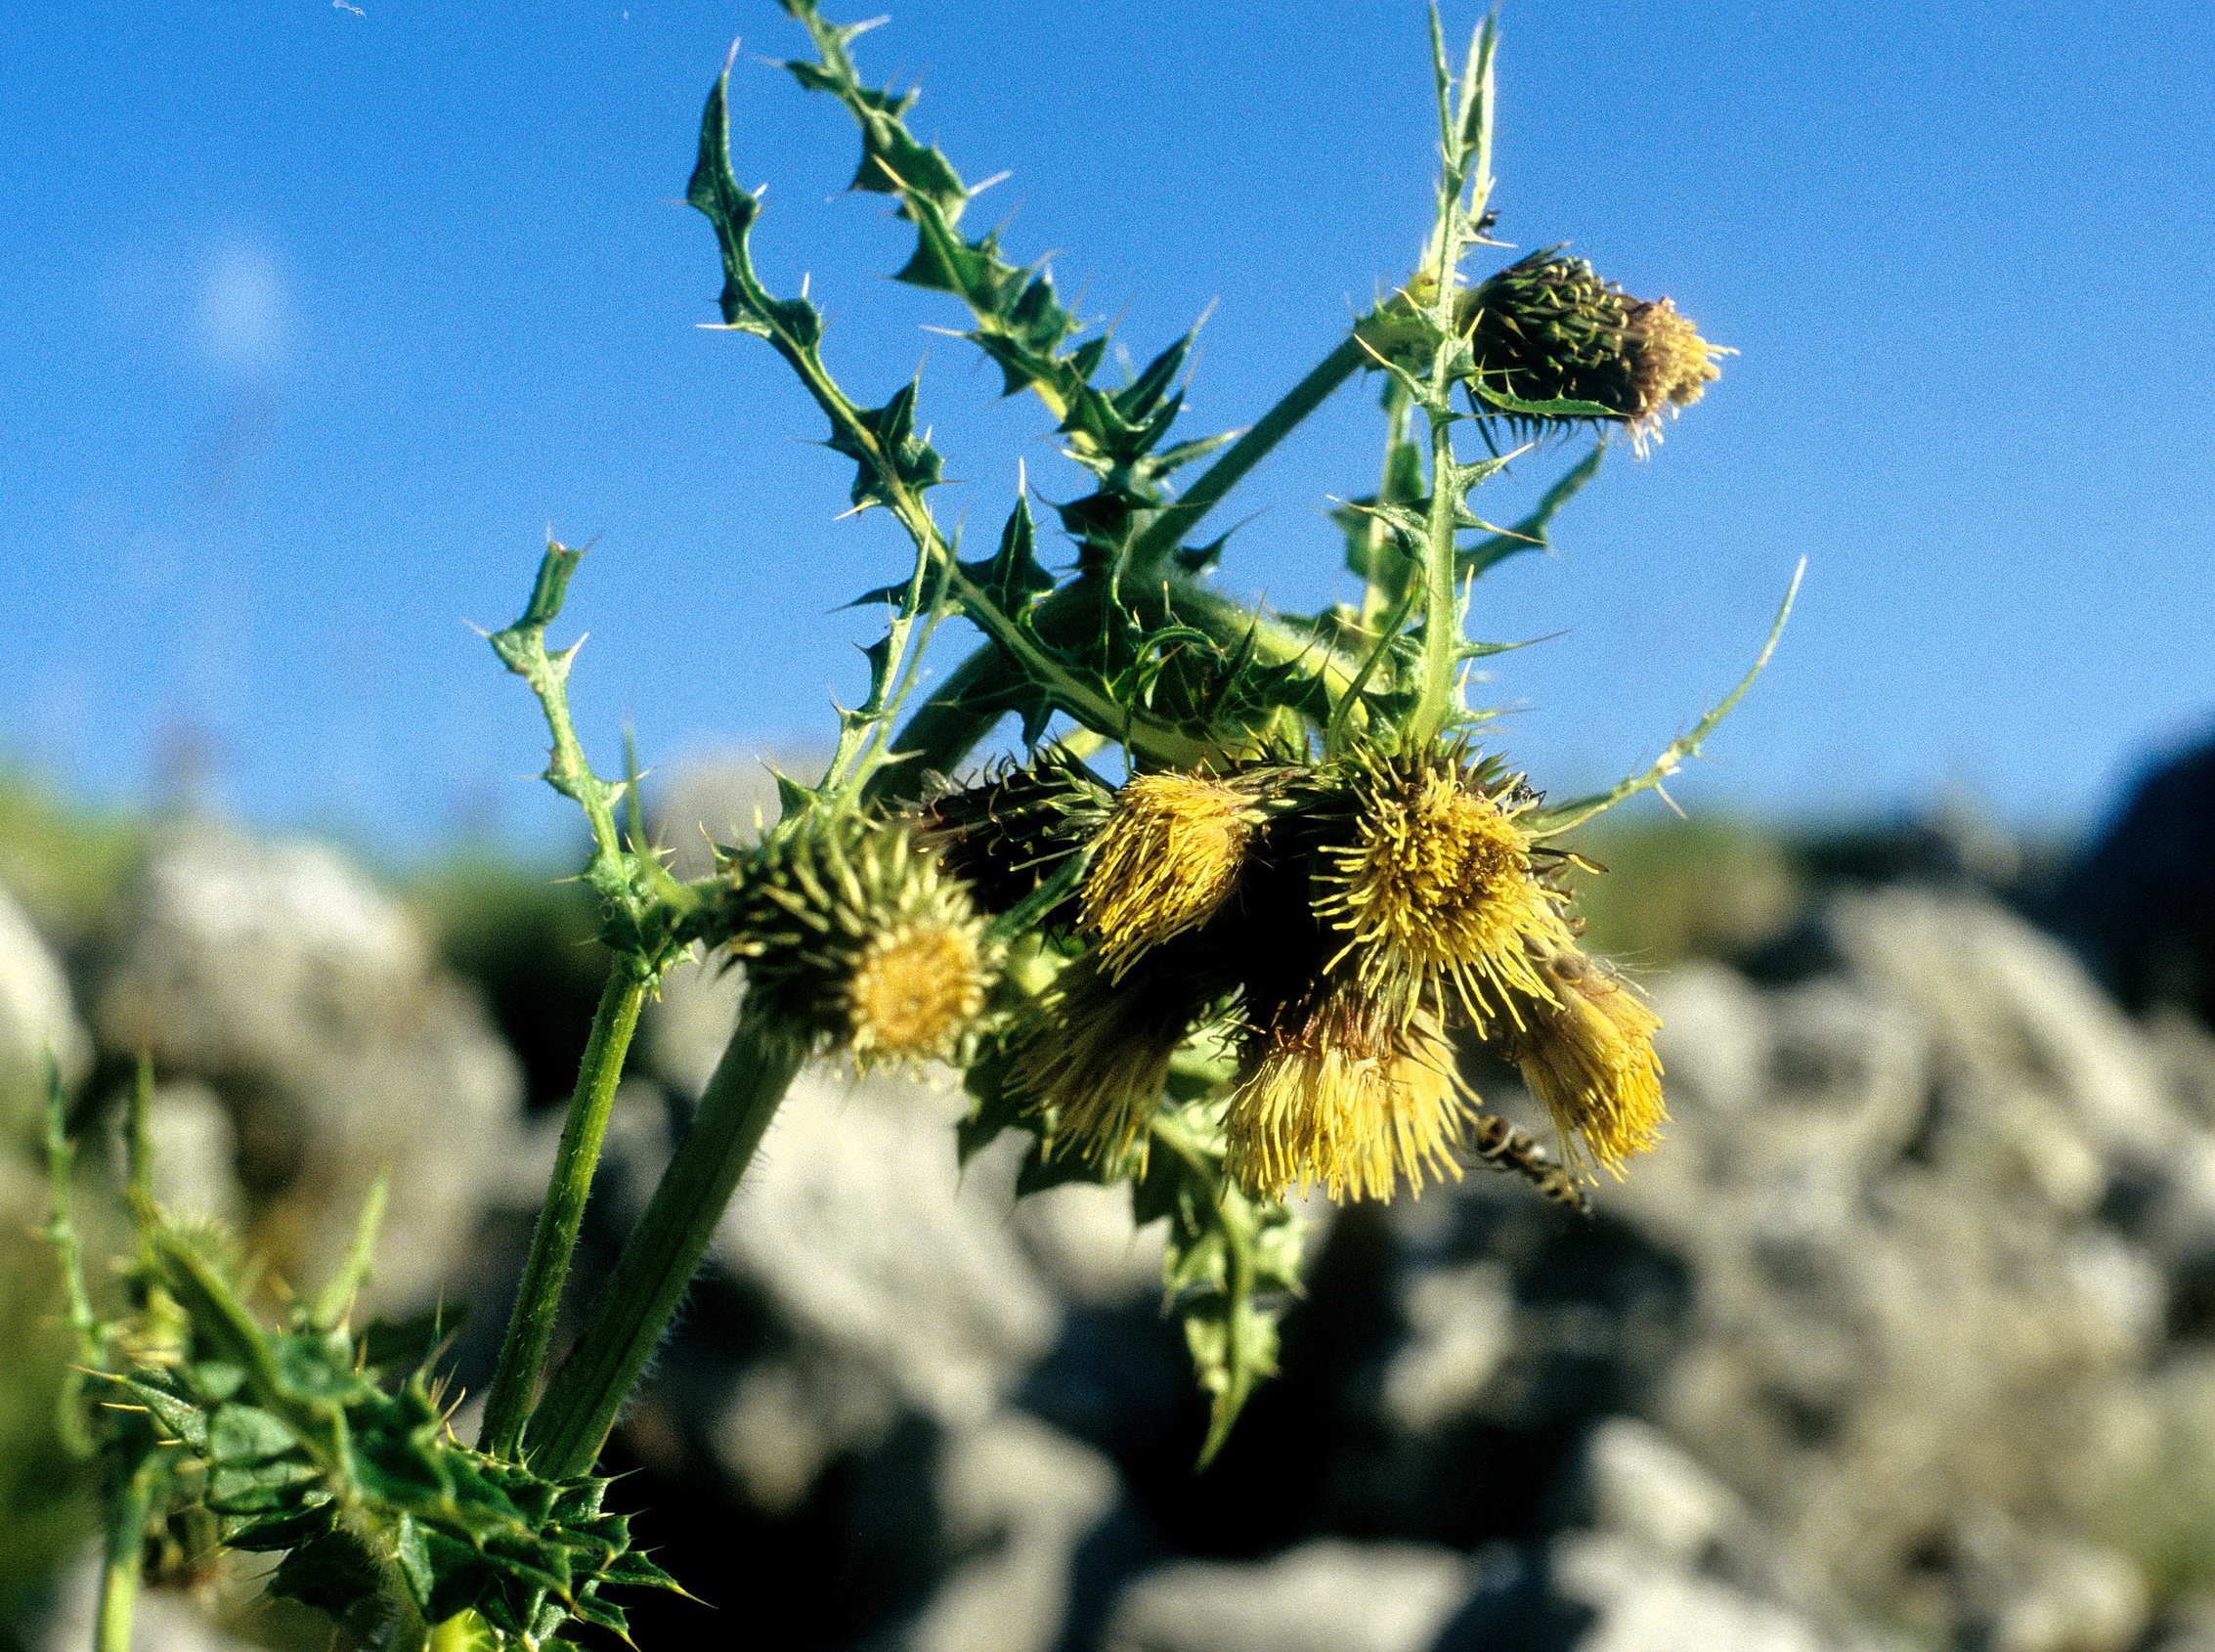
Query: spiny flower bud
1165	862
855	938
1435	889
1548	329
1338	1099
1589	1055
1012	831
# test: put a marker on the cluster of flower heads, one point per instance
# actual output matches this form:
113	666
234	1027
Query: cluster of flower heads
856	938
1351	922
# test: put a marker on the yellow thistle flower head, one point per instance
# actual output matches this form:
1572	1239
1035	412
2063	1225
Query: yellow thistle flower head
1590	1057
1100	1052
1342	1102
1165	863
915	989
855	938
1671	364
1437	889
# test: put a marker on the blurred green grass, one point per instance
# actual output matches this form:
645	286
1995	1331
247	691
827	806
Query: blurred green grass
1675	890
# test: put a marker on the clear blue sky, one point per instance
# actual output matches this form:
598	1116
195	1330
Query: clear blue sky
317	318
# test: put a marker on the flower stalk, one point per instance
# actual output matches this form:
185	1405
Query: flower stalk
553	1242
572	1419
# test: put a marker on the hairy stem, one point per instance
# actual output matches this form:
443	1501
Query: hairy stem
1442	618
664	1251
539	1297
522	649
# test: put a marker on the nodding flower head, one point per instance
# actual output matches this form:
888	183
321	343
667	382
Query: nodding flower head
1337	1100
1165	862
1099	1054
1434	888
855	938
1548	329
1589	1055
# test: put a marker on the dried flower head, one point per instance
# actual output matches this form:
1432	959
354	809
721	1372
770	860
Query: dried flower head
1165	862
856	938
1437	889
1342	1101
1548	329
1589	1055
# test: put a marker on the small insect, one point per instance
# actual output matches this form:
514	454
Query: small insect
1505	1147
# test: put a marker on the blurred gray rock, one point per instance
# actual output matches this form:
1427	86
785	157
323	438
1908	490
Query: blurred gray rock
1914	1344
288	984
2188	1626
853	1218
1641	1486
891	1289
165	1620
718	801
1080	1238
195	1153
36	1015
1642	1601
1324	1597
1017	1497
895	1277
1460	1330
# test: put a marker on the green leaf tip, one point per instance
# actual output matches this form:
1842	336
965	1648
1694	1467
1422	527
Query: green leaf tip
1551	822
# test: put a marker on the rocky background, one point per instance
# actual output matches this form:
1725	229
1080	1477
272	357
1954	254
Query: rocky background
1905	1339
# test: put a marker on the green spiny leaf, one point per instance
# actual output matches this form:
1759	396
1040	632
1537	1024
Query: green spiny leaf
900	456
1013	578
333	1572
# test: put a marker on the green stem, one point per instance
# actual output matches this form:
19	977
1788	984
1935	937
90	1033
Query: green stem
664	1250
1441	619
539	1298
122	1559
61	1221
1179	518
948	725
1386	584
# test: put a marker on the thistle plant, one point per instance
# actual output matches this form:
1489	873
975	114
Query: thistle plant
1226	929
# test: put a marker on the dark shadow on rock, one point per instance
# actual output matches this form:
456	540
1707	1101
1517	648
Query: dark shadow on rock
860	1554
1516	1609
